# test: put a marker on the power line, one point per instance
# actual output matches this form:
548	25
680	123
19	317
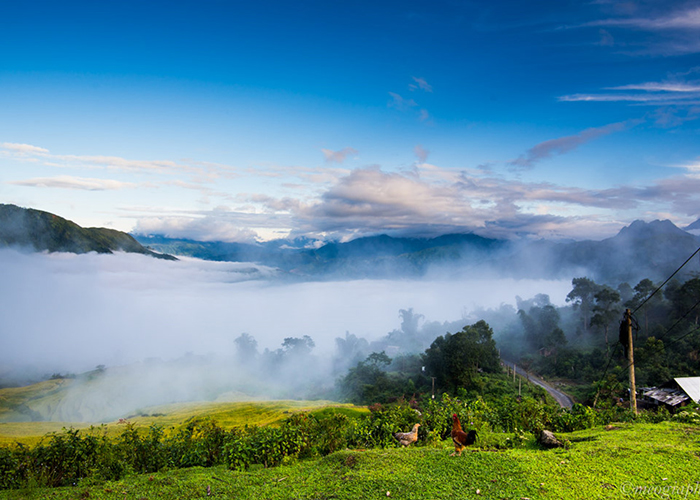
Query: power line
614	349
679	320
667	280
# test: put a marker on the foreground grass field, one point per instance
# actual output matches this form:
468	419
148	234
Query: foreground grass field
621	461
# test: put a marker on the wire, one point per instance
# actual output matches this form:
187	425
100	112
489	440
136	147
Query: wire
667	280
614	349
679	320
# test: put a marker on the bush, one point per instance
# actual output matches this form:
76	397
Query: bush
377	429
437	414
688	417
13	467
199	443
69	457
143	454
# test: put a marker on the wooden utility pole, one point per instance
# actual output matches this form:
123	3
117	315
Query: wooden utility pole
630	357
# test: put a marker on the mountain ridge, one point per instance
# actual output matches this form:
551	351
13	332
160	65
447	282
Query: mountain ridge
640	250
648	249
44	231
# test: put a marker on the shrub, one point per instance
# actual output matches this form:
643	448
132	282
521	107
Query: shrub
143	454
13	467
687	417
69	457
377	429
199	443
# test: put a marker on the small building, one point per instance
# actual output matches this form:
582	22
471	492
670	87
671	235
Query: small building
675	393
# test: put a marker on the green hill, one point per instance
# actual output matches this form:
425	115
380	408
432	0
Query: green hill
44	231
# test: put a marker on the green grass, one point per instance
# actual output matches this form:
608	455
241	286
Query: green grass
598	463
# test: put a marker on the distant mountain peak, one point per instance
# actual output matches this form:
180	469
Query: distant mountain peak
640	228
695	226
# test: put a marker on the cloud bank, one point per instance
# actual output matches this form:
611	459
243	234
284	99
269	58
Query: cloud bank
332	202
73	312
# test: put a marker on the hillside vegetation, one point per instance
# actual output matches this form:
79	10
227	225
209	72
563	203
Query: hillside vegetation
620	461
44	231
172	416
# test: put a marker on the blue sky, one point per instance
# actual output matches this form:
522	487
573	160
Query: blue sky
234	121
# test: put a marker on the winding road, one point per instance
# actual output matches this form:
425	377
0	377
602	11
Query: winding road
562	398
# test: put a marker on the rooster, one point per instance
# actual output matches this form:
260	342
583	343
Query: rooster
460	438
406	438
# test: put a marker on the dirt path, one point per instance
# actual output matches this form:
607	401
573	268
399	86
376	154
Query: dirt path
562	398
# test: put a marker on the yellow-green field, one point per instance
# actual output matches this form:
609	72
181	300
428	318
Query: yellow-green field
227	415
19	405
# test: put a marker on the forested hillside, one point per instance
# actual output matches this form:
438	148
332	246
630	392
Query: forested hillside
44	231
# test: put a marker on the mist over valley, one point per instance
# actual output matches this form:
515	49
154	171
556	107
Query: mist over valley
174	323
124	330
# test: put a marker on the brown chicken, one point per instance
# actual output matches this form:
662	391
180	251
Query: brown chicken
460	438
406	438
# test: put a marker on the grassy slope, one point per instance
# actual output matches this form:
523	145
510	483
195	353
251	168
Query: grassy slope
227	415
599	464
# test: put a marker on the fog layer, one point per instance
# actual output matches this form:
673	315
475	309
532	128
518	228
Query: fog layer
69	313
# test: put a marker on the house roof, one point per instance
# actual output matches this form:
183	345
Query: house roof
691	386
671	397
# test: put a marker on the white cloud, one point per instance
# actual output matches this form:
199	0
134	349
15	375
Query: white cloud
688	19
421	153
400	103
220	224
338	156
24	151
69	182
23	148
566	144
420	84
661	87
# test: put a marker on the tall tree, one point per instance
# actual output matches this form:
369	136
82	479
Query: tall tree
246	348
349	351
298	347
686	300
582	296
604	310
643	291
539	323
456	359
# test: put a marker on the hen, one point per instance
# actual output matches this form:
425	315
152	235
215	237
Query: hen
406	438
460	438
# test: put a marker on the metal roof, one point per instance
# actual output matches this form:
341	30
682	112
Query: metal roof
671	397
691	386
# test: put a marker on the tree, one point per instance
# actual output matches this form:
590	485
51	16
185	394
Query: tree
408	337
604	311
582	296
456	359
349	351
246	348
367	382
643	291
541	324
626	291
686	300
378	358
298	347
